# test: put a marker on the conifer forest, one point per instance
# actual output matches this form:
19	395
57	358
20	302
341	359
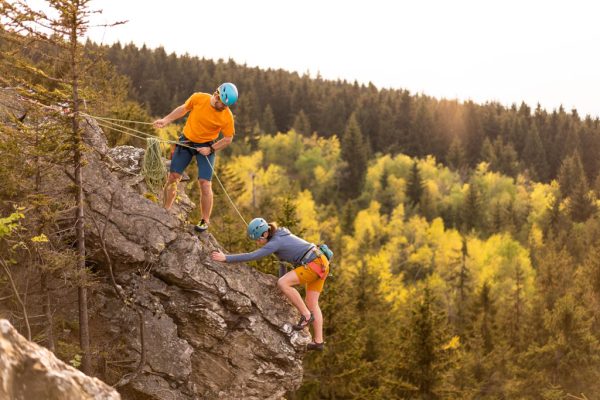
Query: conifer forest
466	236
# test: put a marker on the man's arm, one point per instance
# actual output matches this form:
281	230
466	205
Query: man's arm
224	142
174	115
218	145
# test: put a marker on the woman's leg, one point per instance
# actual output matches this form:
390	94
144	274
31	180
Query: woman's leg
285	284
312	301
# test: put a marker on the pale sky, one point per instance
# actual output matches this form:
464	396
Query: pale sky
486	50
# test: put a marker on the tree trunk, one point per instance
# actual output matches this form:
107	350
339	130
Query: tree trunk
47	312
84	334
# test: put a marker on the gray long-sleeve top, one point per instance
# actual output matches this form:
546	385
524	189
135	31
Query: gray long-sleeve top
286	246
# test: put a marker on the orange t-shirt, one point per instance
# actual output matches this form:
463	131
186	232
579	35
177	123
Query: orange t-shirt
204	122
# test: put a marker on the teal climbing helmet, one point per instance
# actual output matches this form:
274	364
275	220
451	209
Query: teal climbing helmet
228	93
256	228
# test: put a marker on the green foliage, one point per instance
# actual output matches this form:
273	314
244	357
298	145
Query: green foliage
75	361
10	223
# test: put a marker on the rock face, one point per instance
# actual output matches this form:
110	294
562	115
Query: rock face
212	330
29	371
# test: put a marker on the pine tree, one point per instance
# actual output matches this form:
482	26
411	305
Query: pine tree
302	124
287	216
456	156
507	158
337	373
568	361
58	39
355	153
573	184
486	318
534	155
386	196
471	209
267	123
590	147
482	376
582	204
403	119
229	230
473	133
462	287
373	318
571	175
421	131
426	353
555	273
415	186
245	115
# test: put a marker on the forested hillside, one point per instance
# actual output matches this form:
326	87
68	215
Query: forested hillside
518	139
466	236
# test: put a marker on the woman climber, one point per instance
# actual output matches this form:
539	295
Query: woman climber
312	270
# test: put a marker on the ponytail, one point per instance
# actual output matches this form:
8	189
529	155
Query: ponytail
272	228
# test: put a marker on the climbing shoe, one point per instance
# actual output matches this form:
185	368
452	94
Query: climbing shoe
314	346
202	226
303	322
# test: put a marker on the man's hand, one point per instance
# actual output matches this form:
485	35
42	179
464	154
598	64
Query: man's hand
160	123
218	256
205	151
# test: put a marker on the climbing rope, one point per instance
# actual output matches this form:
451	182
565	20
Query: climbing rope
153	169
110	123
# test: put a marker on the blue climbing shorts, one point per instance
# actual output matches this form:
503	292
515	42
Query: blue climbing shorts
182	156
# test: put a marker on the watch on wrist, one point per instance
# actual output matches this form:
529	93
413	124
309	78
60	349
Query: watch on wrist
212	149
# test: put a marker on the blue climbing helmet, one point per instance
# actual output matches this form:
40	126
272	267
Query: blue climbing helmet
228	93
256	228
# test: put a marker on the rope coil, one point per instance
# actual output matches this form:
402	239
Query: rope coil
153	168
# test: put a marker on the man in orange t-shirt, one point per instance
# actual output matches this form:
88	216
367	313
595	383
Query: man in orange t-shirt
209	116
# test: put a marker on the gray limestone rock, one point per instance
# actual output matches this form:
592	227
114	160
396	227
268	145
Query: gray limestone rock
29	371
213	330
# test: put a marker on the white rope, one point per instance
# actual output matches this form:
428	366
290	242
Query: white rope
120	120
225	191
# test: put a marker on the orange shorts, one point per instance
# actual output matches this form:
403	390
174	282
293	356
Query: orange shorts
309	277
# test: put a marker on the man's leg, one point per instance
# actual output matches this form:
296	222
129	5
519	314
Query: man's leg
170	190
205	173
180	159
312	302
206	199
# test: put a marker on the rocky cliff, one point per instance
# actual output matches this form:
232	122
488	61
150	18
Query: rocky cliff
211	330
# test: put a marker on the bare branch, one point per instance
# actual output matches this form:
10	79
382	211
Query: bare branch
18	297
119	291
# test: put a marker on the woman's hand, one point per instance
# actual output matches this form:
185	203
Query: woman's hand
218	256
